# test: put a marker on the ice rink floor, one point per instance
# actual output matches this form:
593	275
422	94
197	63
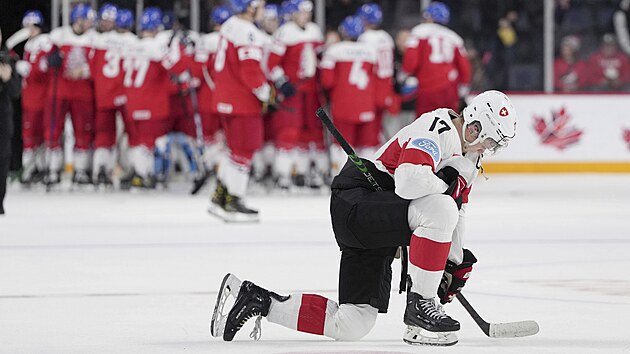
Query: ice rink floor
138	273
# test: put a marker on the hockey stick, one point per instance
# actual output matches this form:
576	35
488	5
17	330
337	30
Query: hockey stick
494	330
321	114
500	330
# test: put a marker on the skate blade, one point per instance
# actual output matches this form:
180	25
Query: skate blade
420	336
229	287
232	217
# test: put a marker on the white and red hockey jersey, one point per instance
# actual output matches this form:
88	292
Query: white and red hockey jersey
294	54
237	67
35	83
348	70
437	57
147	65
106	60
384	44
414	154
204	52
75	51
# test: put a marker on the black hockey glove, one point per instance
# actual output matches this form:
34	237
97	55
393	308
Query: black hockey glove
54	59
456	184
455	276
285	88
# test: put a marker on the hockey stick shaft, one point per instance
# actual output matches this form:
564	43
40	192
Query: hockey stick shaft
323	116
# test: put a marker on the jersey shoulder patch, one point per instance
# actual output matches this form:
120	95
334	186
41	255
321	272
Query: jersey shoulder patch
429	146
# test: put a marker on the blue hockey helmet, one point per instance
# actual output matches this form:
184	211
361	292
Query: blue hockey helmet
151	19
352	27
272	11
107	12
437	11
33	17
371	14
124	18
220	14
81	11
293	6
240	6
168	19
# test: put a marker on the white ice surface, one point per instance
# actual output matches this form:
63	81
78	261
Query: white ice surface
138	273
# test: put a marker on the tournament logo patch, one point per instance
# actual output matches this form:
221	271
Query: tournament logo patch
429	146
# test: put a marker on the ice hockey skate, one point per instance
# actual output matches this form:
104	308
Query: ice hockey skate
427	323
251	300
230	208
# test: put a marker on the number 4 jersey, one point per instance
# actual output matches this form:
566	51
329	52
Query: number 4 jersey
348	70
417	151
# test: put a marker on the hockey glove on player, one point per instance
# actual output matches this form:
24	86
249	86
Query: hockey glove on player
456	184
285	88
455	276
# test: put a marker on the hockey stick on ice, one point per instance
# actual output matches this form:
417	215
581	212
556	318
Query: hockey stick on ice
494	330
500	330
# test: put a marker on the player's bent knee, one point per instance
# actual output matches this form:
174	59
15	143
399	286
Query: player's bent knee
354	322
435	214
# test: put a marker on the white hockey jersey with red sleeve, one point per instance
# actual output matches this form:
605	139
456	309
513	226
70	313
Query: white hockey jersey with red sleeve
414	154
35	83
348	70
148	64
204	52
295	54
437	57
75	51
107	70
237	70
384	44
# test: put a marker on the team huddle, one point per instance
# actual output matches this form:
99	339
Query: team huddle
240	101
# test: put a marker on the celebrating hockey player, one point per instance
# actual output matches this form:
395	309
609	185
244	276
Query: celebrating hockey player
425	170
71	91
292	68
34	71
239	99
211	122
148	64
106	64
349	72
435	59
372	17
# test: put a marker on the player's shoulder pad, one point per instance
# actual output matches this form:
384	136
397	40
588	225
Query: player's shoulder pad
42	42
377	37
351	51
426	30
241	33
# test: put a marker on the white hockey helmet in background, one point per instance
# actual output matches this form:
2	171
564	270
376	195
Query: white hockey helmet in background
496	115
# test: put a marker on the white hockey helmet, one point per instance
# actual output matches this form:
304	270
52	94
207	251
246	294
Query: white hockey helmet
494	111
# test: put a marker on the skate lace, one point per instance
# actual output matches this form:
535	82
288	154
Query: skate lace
432	309
257	331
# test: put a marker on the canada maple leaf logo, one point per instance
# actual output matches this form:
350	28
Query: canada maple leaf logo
626	136
556	132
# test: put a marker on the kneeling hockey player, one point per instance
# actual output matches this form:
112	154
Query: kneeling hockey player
426	171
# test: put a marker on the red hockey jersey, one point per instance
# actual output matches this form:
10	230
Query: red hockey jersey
294	54
236	68
75	51
147	65
35	84
348	70
106	67
437	57
205	50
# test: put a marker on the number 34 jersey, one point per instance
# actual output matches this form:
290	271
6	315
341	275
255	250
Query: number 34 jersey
417	151
106	68
348	70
